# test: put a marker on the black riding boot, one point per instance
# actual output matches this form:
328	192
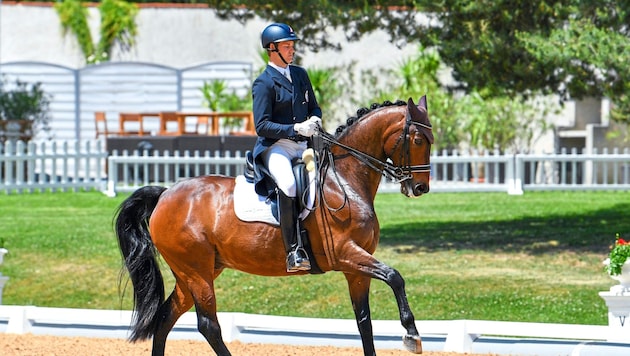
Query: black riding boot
297	260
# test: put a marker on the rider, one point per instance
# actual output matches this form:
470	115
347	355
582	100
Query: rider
286	113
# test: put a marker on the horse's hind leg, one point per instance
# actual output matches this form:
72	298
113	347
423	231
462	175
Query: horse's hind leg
207	320
179	302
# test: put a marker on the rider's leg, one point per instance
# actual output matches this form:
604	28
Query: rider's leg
278	161
297	260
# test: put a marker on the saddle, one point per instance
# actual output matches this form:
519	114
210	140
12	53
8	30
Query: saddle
300	172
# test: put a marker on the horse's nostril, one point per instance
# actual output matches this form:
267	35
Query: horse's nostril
421	188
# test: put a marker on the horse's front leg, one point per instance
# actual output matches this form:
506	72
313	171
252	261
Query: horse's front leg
369	267
359	287
395	281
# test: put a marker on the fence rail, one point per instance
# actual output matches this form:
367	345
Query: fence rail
87	165
460	336
52	165
128	173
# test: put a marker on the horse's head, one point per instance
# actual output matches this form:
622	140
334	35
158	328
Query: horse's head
393	139
411	152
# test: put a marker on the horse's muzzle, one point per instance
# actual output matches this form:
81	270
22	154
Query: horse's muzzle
416	190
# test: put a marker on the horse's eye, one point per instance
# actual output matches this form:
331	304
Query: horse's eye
417	140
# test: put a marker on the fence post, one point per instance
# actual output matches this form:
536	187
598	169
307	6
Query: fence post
19	322
112	175
8	163
20	164
458	339
514	175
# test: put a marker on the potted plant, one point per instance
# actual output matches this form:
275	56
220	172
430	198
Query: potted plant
617	264
24	110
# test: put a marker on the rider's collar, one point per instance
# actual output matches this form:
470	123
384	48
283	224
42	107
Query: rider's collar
278	68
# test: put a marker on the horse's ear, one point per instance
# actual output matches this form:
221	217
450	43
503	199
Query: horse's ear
416	114
423	102
413	112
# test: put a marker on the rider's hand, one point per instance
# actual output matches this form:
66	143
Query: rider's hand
306	128
316	120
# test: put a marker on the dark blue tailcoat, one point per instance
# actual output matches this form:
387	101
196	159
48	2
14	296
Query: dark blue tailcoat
278	105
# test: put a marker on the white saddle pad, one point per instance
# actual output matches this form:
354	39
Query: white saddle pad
249	206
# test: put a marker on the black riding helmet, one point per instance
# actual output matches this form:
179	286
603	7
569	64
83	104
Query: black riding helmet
277	32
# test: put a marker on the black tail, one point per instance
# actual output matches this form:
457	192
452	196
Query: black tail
140	259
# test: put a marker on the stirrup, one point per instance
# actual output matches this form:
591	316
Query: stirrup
297	260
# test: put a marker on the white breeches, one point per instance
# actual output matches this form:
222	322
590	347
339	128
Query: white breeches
277	158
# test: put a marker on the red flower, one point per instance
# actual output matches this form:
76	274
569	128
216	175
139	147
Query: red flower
622	242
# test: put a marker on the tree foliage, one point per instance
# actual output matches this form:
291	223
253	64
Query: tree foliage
73	17
118	26
467	121
315	20
573	48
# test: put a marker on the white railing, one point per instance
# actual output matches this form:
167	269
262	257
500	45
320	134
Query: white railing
127	173
455	171
461	336
74	165
575	171
52	165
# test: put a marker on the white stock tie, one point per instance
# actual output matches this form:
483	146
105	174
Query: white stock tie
287	73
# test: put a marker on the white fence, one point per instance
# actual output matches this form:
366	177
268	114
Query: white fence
115	87
127	173
86	165
462	336
52	165
514	173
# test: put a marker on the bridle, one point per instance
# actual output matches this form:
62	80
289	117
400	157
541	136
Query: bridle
397	174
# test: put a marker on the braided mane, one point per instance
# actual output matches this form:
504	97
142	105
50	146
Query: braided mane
364	111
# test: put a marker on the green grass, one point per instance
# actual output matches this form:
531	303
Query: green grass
491	256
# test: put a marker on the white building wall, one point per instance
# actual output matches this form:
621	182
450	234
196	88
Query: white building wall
174	36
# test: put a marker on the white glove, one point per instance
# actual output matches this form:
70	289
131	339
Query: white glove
316	120
306	128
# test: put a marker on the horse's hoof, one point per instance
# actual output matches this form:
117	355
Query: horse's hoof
413	343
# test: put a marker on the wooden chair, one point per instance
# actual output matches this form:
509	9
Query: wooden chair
132	117
165	118
204	125
100	125
247	128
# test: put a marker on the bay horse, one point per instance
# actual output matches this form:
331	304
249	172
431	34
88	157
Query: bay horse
192	225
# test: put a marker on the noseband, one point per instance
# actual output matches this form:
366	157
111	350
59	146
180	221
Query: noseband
397	174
